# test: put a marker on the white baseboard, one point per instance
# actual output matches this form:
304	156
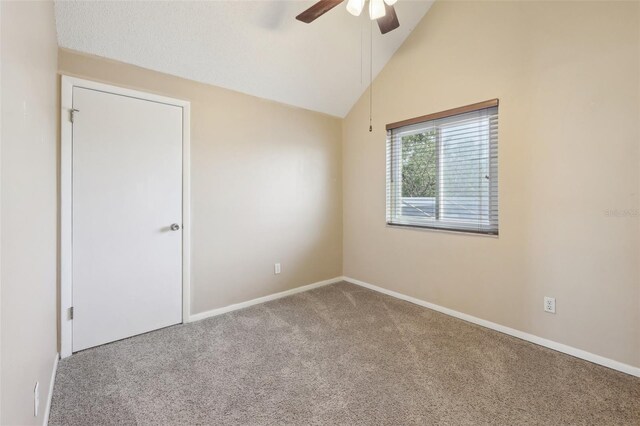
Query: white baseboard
241	305
47	410
560	347
578	353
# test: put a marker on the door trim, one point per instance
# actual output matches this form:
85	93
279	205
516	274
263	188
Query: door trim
66	201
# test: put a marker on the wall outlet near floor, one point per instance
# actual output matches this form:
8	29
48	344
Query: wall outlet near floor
276	268
36	399
550	304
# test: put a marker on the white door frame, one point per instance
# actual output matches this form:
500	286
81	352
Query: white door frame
66	199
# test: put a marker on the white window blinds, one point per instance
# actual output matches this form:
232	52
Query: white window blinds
442	170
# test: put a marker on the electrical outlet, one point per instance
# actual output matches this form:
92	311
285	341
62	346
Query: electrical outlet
550	304
276	268
36	399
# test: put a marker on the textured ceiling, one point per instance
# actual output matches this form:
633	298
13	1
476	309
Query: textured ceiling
254	47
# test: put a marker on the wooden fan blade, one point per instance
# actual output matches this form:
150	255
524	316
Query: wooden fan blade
317	10
389	21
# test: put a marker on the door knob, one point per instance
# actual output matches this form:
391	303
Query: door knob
175	227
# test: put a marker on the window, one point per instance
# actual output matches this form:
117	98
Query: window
442	170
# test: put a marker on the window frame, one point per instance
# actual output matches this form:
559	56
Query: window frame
394	175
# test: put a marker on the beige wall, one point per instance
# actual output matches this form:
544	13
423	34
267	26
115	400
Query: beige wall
567	75
265	186
29	208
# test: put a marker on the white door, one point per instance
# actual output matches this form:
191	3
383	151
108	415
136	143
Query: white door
127	194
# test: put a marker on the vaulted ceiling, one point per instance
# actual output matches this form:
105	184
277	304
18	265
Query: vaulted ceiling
254	47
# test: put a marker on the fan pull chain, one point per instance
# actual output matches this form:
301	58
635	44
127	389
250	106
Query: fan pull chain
361	55
371	76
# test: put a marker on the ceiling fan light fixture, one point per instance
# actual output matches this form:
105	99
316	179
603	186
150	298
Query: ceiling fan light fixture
355	7
390	2
376	9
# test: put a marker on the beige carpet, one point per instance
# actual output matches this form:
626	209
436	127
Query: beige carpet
340	354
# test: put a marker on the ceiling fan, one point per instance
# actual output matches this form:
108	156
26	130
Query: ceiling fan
379	10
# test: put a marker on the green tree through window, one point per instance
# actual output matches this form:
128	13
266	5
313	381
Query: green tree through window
419	165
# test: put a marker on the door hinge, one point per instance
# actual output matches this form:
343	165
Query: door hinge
71	312
72	114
